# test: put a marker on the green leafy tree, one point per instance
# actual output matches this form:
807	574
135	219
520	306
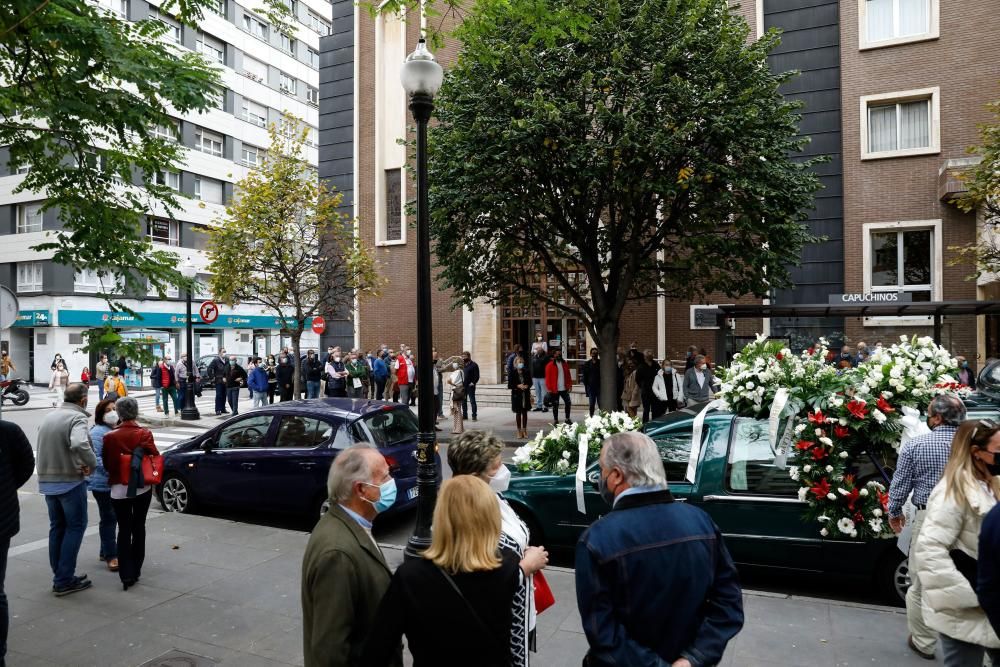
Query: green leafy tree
983	192
643	144
284	244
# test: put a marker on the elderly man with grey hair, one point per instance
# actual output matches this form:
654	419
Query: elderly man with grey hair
344	574
65	457
919	468
655	584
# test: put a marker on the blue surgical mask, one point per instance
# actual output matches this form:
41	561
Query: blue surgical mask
387	495
607	495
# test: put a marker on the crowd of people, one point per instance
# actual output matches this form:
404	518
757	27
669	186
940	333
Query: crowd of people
480	575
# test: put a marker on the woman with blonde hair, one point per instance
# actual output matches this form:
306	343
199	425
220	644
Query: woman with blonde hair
948	546
454	604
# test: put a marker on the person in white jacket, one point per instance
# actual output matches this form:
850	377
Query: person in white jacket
948	545
667	386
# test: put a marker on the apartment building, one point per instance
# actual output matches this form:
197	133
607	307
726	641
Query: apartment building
265	72
892	93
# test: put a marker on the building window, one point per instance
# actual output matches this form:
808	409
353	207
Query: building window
76	339
254	113
29	277
317	24
254	69
288	84
119	7
218	6
170	179
900	124
29	218
219	101
312	137
393	204
312	58
212	49
904	257
87	280
208	190
288	43
23	168
251	156
255	26
171	131
312	96
173	32
161	230
170	291
208	142
889	22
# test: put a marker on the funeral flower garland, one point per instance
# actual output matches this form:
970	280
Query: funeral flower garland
835	419
556	451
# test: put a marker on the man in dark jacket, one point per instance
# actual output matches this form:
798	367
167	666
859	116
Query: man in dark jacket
217	371
344	573
470	373
17	462
539	360
988	588
645	373
681	602
286	376
236	379
590	374
312	371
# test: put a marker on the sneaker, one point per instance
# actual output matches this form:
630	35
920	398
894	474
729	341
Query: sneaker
75	587
474	418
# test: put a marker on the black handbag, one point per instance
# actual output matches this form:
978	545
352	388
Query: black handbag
966	565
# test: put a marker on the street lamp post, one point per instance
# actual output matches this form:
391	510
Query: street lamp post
421	77
190	411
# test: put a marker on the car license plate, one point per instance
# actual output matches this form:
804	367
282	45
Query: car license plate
412	493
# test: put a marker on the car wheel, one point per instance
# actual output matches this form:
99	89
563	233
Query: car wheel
535	535
893	577
175	495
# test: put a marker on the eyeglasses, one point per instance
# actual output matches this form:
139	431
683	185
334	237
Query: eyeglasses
986	425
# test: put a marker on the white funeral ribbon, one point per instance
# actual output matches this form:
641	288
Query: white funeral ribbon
581	472
777	407
696	431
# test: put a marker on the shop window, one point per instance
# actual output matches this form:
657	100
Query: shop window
29	277
900	124
29	218
162	230
890	22
208	142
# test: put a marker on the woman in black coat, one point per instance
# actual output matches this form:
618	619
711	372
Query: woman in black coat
286	377
519	383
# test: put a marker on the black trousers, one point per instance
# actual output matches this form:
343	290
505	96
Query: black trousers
564	395
131	516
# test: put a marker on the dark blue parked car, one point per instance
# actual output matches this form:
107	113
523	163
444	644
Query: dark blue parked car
278	457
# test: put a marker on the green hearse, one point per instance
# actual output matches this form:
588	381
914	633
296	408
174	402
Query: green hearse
754	502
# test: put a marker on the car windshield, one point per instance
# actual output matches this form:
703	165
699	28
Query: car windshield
390	427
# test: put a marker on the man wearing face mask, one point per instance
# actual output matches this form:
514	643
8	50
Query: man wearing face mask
286	377
698	380
919	468
558	382
965	374
236	379
344	574
665	546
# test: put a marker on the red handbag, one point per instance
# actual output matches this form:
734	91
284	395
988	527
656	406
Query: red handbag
152	469
543	594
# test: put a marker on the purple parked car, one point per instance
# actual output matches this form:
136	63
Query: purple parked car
278	457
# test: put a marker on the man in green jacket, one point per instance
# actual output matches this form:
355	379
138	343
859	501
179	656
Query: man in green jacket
65	457
344	574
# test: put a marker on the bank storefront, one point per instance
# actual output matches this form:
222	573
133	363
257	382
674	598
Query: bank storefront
40	333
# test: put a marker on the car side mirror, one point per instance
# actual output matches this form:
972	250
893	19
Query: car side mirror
207	445
595	478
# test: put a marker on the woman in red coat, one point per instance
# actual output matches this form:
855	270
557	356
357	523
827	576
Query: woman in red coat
130	507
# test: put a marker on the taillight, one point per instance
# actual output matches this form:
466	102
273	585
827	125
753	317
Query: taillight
391	462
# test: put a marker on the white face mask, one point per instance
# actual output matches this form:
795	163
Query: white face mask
500	481
337	359
111	418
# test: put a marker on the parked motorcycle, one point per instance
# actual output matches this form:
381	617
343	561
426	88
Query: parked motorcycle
11	390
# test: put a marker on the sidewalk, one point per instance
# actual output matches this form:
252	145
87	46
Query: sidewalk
229	593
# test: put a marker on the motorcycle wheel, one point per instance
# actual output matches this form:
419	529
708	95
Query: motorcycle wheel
20	397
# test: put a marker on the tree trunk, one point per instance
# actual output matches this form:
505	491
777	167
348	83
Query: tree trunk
606	337
296	361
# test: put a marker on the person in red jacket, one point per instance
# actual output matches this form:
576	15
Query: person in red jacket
558	383
130	510
402	367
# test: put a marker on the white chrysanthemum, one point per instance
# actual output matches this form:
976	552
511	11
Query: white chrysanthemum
793	472
830	496
826	441
799	428
863	492
879	416
566	454
806	468
845	526
562	465
829	468
802	493
877	512
843	455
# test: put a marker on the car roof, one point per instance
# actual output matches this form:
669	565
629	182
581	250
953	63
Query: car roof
344	408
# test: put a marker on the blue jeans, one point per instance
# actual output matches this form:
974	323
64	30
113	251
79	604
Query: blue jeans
220	398
234	400
4	614
956	653
470	397
67	521
539	384
100	390
109	547
312	388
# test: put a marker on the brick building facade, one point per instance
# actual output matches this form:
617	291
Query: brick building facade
892	92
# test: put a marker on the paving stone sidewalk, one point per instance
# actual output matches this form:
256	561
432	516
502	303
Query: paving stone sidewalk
229	592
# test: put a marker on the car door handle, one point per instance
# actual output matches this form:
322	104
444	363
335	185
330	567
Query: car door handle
307	464
248	466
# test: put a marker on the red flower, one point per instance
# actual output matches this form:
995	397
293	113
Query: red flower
821	489
883	498
779	356
803	445
858	518
811	351
884	406
852	498
857	408
817	417
819	453
841	431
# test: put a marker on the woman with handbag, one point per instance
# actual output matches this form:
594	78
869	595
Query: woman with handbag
948	546
457	382
462	582
479	454
131	491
